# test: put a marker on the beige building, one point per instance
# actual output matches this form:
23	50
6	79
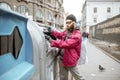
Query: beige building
44	12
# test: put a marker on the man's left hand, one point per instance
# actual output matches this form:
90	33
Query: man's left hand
48	38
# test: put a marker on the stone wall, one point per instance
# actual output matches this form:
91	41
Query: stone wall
108	30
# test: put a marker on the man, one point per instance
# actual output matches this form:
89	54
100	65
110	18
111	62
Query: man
83	58
69	44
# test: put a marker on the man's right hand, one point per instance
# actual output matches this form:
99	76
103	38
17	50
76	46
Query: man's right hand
47	31
50	29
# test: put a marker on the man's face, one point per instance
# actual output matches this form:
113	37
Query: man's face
69	24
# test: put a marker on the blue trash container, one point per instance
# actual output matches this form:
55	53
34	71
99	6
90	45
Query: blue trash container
15	47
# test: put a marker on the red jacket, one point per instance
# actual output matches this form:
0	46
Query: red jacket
71	46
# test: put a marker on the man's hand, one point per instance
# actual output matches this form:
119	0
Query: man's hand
48	38
50	29
71	24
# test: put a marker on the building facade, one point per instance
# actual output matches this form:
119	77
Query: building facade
44	12
96	11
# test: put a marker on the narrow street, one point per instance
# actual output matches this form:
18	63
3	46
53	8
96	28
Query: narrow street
97	57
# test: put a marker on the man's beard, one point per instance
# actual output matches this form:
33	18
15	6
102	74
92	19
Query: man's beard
70	29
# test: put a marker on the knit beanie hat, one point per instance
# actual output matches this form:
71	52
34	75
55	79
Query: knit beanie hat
71	17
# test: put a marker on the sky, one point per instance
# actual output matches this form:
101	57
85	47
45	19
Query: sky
73	7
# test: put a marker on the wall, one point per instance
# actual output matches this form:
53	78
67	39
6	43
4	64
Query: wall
108	30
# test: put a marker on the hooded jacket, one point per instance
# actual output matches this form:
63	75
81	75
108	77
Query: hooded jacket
71	46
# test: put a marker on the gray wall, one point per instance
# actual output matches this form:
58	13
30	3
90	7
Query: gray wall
108	30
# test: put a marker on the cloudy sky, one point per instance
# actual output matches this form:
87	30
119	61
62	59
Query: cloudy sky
73	7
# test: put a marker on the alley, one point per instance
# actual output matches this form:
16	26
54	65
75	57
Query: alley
97	57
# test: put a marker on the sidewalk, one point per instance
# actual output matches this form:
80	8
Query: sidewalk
112	49
96	57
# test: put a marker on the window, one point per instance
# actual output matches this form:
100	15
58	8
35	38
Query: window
95	10
49	1
119	10
5	5
39	14
94	20
108	10
22	10
57	5
49	16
